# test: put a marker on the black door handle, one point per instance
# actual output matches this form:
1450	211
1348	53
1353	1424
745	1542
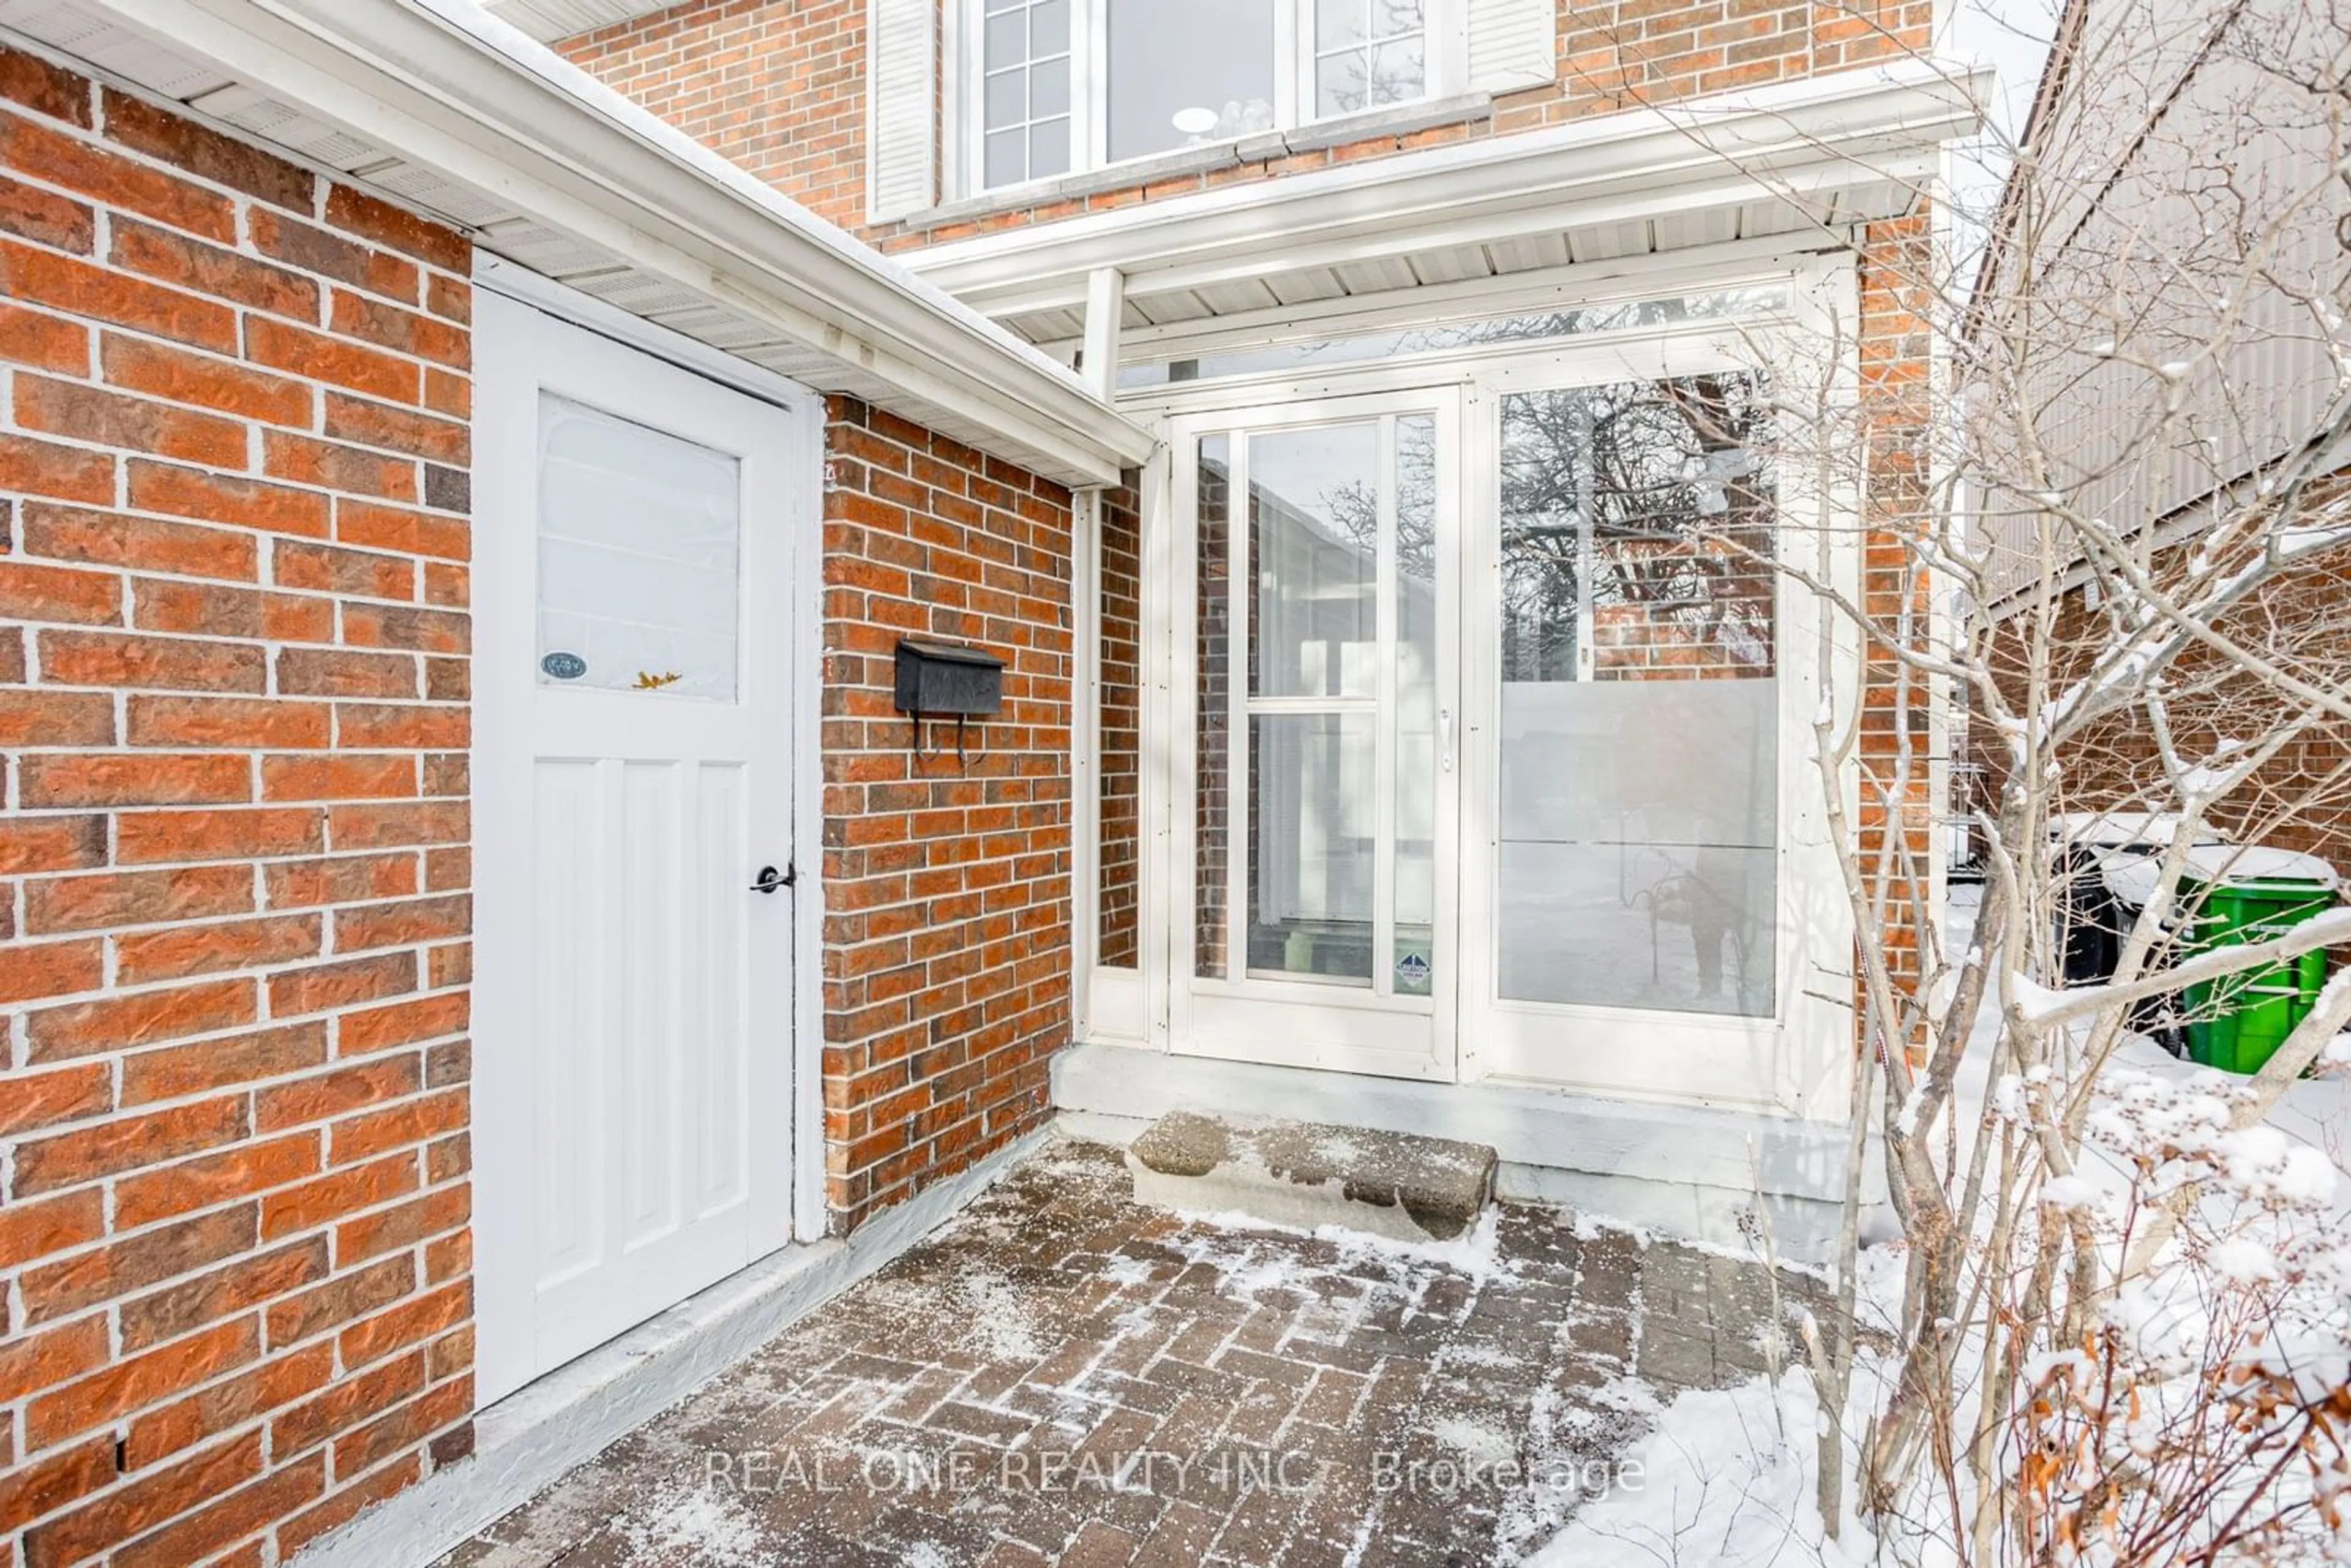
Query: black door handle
771	879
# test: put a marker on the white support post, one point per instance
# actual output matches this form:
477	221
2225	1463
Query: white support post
1105	306
1085	754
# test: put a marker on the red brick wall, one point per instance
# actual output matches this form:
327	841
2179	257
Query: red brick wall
233	874
2300	801
778	86
947	928
1894	820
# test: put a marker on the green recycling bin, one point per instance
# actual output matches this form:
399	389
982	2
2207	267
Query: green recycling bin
2241	895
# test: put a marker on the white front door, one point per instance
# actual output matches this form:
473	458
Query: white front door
634	991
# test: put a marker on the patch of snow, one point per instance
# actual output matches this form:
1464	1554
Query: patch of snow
697	1524
992	1306
2069	1192
2035	1002
1477	1253
2265	1163
1482	1444
1124	1271
2243	1258
1726	1479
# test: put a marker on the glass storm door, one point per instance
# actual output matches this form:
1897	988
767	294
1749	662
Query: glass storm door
1319	692
1624	778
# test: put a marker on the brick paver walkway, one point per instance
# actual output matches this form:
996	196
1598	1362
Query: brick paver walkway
1062	1376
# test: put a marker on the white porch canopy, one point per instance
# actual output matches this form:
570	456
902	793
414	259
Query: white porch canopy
1781	168
442	107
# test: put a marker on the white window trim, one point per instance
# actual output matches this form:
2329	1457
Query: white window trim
1446	49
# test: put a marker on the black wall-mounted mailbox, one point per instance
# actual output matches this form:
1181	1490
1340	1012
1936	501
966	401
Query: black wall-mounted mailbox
944	679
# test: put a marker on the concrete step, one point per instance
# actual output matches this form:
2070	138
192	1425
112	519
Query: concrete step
1305	1174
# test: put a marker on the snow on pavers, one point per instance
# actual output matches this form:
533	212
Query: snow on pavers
1062	1375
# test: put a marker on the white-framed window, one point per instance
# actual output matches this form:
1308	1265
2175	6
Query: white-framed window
1058	87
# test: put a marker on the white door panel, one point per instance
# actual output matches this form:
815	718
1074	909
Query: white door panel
634	998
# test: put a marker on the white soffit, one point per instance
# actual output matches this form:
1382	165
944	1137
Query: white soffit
442	107
1802	159
547	20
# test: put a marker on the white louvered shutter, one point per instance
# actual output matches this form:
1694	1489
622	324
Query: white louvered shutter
902	127
1513	44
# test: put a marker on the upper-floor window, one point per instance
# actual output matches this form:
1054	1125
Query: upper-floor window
1060	86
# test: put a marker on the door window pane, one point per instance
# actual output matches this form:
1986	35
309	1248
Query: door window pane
639	556
1312	826
1313	561
1179	74
1340	704
1638	854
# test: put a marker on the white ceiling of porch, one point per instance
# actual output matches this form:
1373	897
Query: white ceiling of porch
1820	222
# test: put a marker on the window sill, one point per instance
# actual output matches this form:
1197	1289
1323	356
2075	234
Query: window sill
1258	147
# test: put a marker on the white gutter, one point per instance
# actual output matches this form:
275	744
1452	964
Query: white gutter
444	85
1790	140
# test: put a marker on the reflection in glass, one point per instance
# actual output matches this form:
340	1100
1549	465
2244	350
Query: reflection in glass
1311	834
1638	863
1199	72
1313	563
638	556
1118	752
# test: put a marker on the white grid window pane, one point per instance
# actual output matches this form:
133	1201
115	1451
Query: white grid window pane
1008	39
1007	157
1024	90
1049	28
1048	146
1368	52
1048	89
1007	97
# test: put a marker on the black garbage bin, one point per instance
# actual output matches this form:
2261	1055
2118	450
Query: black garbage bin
2090	920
